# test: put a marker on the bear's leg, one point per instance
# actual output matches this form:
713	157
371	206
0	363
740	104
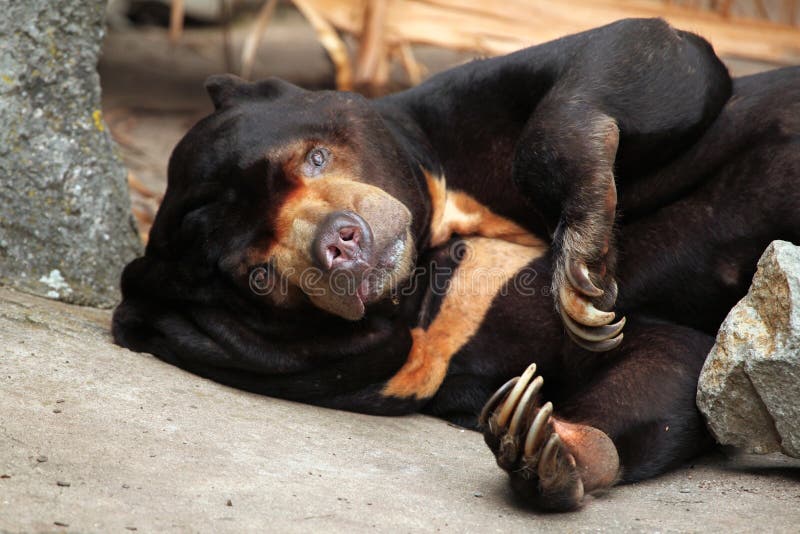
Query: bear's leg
564	163
633	417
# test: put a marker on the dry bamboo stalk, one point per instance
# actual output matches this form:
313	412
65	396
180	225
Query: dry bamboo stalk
372	49
176	14
227	49
255	36
410	64
332	43
790	11
723	7
134	184
762	9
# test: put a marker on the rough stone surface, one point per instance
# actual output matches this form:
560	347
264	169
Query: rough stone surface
65	224
749	389
139	444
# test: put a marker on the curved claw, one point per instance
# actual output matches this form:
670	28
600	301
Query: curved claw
523	406
593	334
613	290
581	310
495	399
534	436
578	275
547	464
597	346
511	401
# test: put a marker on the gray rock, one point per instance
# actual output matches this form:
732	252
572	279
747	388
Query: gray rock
749	389
65	224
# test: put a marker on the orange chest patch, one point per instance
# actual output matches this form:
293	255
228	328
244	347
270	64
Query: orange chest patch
456	212
485	272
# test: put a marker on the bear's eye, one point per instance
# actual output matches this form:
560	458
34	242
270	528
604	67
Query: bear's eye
316	160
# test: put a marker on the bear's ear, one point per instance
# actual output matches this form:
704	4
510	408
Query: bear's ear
224	88
274	87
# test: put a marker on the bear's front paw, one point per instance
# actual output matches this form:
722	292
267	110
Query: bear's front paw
585	291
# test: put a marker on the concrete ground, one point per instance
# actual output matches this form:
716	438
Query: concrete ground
94	438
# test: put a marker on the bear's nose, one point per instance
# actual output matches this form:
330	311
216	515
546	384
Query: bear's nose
343	241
